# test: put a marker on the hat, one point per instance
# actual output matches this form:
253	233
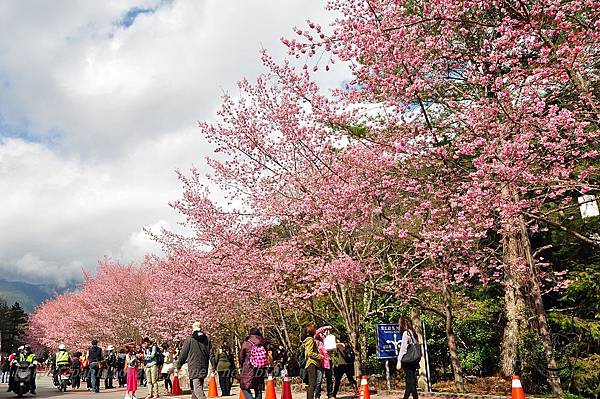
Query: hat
196	326
61	347
110	348
21	347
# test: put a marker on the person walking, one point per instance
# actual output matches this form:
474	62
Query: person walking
252	353
167	368
94	356
132	363
5	368
409	337
345	365
151	367
225	369
313	359
197	352
85	371
76	370
326	369
121	367
111	362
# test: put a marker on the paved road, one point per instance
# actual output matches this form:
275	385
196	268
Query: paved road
45	389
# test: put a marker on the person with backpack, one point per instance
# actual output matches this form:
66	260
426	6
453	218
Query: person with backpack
111	363
94	355
76	370
121	367
254	359
409	357
311	359
197	352
151	367
345	365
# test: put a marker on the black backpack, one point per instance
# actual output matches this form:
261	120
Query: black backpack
160	358
301	356
348	354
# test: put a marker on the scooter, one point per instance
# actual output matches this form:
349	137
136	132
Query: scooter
64	379
22	379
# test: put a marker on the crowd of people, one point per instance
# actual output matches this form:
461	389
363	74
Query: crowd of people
321	358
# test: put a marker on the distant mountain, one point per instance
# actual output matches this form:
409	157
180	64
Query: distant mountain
27	294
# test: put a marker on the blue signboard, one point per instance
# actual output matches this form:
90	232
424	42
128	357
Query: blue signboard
388	341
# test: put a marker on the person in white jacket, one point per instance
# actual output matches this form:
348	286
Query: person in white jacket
409	337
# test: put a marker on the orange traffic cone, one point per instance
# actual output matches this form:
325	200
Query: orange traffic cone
271	388
176	388
517	388
287	388
212	387
364	388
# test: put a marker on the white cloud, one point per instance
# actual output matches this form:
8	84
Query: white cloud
113	112
140	243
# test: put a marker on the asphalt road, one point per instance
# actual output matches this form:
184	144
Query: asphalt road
45	389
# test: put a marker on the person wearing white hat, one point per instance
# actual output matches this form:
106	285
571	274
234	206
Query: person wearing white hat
111	362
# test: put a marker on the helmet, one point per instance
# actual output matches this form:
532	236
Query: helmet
27	347
61	347
21	347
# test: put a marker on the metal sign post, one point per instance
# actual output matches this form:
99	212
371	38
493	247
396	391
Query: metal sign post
388	377
427	373
388	346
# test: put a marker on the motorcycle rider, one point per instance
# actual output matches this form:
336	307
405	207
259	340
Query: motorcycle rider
60	361
26	356
13	360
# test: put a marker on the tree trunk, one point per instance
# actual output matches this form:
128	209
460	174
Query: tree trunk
514	301
540	313
415	316
286	335
452	346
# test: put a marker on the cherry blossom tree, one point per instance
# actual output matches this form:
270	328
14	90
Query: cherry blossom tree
111	306
506	96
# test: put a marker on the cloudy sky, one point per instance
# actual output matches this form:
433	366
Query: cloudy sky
98	106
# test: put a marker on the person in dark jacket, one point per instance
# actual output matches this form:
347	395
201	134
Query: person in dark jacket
120	367
111	363
197	352
95	357
76	370
225	368
251	378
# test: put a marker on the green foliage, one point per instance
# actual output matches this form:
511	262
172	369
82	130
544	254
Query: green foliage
532	363
584	292
586	378
13	322
479	335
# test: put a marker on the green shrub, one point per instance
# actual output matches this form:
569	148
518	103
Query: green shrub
586	377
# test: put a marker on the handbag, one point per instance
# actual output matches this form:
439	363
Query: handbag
413	351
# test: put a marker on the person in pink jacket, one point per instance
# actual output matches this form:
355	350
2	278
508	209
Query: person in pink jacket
326	368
